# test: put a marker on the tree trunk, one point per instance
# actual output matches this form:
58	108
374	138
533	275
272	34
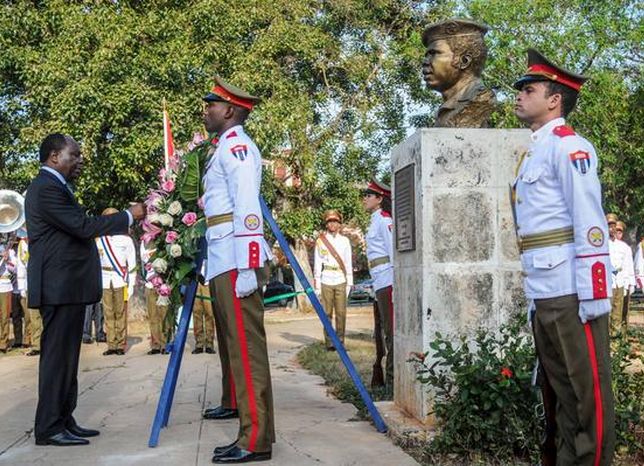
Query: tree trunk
302	256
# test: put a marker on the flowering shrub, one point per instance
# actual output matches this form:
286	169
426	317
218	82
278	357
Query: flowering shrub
175	222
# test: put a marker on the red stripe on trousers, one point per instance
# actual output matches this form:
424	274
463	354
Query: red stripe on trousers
243	346
599	412
233	395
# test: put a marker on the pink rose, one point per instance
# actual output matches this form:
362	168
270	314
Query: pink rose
200	203
168	186
164	290
162	174
156	281
189	218
171	236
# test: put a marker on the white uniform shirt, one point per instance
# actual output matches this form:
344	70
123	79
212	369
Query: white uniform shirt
327	271
639	264
622	261
121	250
7	267
558	187
146	254
232	181
21	266
380	244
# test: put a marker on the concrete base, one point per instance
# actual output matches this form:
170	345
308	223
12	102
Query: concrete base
464	271
403	428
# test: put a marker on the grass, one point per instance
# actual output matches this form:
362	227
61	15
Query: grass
327	364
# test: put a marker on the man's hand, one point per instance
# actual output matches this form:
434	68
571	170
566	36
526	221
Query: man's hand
246	283
138	211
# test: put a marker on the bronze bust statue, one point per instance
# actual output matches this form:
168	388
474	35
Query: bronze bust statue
453	64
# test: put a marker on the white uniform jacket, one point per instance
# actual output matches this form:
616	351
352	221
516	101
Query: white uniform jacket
118	261
327	271
558	187
621	258
380	244
639	265
232	182
21	266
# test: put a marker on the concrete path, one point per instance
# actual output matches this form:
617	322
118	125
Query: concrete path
119	396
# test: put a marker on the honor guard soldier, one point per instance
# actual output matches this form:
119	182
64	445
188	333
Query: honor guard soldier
118	262
564	253
237	266
33	320
639	263
623	273
333	271
156	312
203	320
377	200
7	269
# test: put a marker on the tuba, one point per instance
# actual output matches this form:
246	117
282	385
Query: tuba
12	211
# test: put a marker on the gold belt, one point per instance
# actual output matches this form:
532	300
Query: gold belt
4	276
330	267
554	237
378	261
219	219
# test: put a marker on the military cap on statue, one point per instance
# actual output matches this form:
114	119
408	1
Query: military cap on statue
611	218
224	92
330	215
453	28
542	69
376	187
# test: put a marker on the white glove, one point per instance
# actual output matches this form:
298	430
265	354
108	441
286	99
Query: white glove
246	283
592	308
23	294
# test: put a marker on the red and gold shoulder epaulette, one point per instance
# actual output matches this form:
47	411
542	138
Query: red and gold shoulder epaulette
563	131
231	135
385	214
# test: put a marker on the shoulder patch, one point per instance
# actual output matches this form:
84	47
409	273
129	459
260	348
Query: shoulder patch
580	160
385	214
563	131
233	134
240	151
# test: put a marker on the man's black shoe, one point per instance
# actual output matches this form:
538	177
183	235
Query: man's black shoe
154	351
221	450
211	350
197	351
62	439
102	339
82	432
108	352
119	352
88	341
33	352
3	350
17	345
220	413
239	455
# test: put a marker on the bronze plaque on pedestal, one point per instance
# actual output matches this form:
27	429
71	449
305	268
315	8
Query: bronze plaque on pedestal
405	208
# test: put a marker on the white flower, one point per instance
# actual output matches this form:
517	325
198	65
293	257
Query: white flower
175	208
175	250
165	220
154	218
159	265
157	202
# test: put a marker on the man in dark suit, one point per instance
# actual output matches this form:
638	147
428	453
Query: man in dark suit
64	275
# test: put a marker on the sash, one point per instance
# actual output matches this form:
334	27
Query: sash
116	265
334	253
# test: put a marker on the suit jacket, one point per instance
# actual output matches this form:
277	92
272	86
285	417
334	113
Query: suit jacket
64	266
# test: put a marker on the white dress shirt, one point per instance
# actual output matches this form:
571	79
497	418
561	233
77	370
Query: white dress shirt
326	269
380	244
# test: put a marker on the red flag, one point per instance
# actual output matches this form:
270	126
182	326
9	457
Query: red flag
168	142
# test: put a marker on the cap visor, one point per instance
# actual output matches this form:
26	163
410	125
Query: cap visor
525	80
213	98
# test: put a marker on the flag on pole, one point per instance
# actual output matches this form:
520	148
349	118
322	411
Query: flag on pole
168	142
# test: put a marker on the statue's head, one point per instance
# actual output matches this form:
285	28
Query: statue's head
455	49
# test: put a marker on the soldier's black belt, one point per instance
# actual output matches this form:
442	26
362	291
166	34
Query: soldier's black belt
219	219
554	237
378	261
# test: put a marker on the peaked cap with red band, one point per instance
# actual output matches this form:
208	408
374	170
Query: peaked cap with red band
224	92
374	187
542	69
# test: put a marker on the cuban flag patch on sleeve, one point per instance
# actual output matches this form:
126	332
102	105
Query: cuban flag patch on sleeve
581	161
240	151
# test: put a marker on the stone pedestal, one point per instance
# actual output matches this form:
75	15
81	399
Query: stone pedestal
456	261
